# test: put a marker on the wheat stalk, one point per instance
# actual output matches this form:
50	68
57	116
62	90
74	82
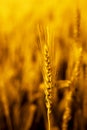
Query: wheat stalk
74	77
71	88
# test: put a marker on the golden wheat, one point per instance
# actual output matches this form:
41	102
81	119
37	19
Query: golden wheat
47	72
48	82
75	75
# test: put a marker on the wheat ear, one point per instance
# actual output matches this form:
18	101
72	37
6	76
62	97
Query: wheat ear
46	70
48	83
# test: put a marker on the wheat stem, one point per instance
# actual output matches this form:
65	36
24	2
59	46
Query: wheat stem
75	75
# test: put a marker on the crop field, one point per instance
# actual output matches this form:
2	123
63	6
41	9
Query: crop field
43	65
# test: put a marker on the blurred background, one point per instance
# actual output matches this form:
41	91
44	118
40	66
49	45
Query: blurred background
22	99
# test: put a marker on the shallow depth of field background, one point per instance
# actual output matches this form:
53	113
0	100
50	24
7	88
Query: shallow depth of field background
22	102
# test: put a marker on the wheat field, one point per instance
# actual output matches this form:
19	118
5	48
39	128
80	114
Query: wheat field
43	65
